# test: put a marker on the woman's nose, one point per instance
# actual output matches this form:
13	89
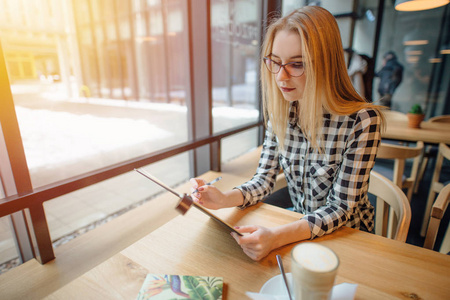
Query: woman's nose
283	74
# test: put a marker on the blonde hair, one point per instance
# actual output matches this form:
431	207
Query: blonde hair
328	87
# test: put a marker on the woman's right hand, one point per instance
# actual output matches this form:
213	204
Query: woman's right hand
208	195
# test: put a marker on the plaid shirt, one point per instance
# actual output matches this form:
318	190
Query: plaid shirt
330	189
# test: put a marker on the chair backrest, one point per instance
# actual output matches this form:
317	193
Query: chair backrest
388	195
440	119
437	212
444	152
392	115
399	154
436	186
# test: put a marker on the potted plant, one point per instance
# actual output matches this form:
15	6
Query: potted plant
415	116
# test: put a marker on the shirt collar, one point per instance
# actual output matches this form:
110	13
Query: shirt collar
293	113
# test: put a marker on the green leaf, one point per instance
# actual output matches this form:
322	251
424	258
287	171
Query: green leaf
203	288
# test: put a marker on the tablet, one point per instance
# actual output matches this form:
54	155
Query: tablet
216	218
189	202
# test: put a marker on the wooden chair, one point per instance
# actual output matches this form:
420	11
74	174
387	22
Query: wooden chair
399	154
440	119
429	151
436	186
392	115
388	195
437	213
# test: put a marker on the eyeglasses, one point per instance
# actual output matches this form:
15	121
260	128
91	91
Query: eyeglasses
294	69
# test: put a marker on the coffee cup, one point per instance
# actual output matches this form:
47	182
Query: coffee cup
314	269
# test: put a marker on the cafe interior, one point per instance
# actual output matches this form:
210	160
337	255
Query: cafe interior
93	89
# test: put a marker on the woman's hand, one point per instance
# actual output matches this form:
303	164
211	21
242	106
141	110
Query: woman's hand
211	197
208	195
258	243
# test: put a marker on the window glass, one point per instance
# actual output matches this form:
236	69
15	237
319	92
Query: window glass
345	28
2	192
338	7
75	213
418	41
335	7
235	38
365	28
105	88
237	144
98	85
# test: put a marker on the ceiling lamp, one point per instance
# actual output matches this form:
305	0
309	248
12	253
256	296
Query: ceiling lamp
415	5
415	42
412	59
414	52
435	60
445	49
415	38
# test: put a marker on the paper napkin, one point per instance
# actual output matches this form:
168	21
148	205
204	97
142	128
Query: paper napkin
343	291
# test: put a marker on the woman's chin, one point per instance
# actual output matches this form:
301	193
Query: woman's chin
290	99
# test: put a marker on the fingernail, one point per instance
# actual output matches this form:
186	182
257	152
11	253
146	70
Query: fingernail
201	189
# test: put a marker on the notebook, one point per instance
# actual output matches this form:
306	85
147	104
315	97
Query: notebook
165	287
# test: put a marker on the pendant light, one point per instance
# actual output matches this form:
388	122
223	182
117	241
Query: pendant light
415	5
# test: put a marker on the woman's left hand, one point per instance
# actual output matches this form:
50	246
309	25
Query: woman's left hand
258	243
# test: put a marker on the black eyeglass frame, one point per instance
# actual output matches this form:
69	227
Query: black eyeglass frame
266	59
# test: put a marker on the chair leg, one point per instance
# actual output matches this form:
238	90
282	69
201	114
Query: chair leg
410	192
445	246
423	167
426	215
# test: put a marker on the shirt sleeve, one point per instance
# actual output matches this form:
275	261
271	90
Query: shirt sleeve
263	182
351	184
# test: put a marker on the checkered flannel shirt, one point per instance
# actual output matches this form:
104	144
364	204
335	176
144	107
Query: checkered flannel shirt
330	189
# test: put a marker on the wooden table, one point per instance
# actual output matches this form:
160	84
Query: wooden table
194	244
429	132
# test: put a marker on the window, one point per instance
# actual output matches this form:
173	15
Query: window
235	38
104	84
100	83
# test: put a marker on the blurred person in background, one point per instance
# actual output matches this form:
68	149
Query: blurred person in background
391	75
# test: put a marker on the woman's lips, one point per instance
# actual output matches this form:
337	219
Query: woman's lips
286	90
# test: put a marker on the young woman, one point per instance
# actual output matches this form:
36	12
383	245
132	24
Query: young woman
320	132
